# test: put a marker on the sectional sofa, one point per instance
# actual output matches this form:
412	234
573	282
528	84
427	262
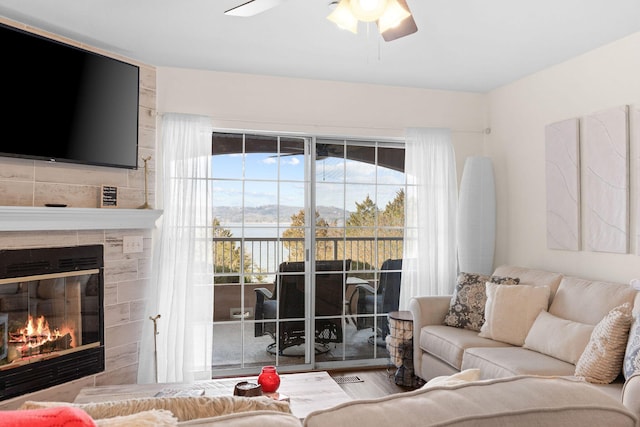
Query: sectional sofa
521	347
459	400
547	324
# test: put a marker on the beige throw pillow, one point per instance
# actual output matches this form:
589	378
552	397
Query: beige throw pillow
511	310
559	338
601	361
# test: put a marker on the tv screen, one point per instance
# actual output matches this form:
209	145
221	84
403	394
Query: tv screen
63	103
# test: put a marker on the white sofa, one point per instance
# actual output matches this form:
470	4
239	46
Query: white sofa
514	401
443	350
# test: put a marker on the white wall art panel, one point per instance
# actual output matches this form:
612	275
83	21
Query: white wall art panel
477	216
563	185
635	156
606	186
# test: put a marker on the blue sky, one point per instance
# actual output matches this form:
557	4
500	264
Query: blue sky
263	170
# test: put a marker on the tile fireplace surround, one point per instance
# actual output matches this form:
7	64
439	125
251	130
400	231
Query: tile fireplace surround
27	185
125	278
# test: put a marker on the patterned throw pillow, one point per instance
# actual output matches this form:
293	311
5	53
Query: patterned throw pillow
466	309
601	360
632	353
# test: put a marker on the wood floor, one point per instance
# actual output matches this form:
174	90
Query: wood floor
376	382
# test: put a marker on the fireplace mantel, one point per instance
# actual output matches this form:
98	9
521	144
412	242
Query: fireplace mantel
26	218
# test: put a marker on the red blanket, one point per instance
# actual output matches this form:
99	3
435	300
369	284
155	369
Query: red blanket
60	416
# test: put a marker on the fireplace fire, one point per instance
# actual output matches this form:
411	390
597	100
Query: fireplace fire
51	317
37	338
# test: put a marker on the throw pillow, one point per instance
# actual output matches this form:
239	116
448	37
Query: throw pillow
511	310
559	338
58	416
601	361
632	353
458	378
466	309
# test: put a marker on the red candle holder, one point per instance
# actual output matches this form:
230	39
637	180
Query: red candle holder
269	379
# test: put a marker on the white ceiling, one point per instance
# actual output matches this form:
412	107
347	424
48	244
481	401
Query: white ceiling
468	45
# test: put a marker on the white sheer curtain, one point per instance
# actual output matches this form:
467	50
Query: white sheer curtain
181	289
430	262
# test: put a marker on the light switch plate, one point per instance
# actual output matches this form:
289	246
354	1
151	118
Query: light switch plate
132	244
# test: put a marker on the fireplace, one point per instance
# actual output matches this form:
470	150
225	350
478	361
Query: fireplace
51	317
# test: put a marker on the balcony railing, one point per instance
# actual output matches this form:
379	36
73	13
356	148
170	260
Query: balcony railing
262	255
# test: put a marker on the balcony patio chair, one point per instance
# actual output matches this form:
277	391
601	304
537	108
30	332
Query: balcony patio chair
381	300
287	302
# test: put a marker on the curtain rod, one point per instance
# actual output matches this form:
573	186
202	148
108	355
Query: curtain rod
485	131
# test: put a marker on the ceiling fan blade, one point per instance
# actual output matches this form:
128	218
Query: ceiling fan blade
253	7
406	27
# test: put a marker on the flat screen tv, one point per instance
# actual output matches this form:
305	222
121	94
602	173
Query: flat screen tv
62	103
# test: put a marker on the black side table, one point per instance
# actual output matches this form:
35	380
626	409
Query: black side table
400	347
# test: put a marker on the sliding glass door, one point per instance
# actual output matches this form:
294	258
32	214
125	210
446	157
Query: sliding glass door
302	229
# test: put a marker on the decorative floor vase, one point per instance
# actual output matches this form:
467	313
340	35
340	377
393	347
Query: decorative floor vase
477	216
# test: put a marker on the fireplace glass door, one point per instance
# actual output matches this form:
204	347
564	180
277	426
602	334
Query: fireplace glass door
51	317
53	313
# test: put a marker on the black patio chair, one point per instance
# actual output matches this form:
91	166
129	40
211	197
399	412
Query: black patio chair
381	300
287	302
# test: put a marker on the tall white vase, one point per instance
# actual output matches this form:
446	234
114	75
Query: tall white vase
477	216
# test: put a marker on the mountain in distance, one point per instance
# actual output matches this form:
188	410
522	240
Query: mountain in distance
269	214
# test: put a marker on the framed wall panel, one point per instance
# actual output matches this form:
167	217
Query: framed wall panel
562	157
635	156
605	149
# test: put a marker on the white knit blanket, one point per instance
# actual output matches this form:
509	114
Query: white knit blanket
183	408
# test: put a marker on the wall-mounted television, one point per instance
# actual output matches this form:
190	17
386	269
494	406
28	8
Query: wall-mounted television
66	104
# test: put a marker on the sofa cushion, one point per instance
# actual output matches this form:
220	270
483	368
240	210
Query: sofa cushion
588	301
532	277
515	401
448	343
511	310
601	361
560	338
505	362
466	309
631	363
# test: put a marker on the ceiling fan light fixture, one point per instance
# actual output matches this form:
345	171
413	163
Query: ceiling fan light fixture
343	17
393	16
368	10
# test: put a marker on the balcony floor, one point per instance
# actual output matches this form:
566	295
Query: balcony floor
228	348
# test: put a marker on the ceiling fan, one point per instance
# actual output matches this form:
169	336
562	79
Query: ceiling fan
393	17
253	7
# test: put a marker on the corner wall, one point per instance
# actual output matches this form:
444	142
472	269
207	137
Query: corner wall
603	78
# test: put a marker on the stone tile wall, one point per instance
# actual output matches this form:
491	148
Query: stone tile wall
34	183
